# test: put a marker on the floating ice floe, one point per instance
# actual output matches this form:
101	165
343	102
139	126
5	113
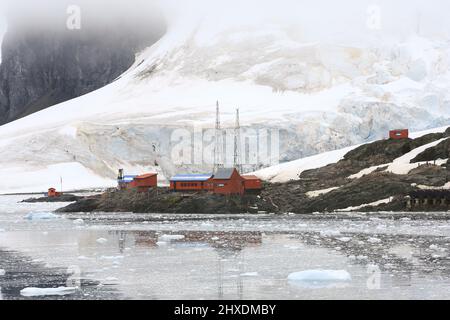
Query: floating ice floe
78	221
2	272
102	240
111	257
41	216
171	237
110	279
317	279
330	233
36	292
374	240
249	274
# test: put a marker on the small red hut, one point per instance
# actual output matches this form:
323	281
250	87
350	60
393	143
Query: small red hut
252	183
144	182
51	192
399	134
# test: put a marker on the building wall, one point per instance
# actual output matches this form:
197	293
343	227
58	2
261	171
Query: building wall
399	134
252	184
235	185
186	185
148	182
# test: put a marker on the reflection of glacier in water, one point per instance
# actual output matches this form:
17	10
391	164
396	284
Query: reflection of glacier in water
144	256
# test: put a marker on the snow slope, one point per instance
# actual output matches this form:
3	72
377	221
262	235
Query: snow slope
292	170
323	93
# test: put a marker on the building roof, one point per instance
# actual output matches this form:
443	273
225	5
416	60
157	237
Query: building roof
191	177
145	176
250	177
224	173
127	179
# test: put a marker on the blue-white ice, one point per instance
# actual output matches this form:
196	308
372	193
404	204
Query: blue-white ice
41	216
320	278
39	292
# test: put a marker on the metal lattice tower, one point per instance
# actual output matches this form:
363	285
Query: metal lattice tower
237	143
218	148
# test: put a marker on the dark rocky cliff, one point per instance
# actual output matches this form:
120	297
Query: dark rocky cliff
41	68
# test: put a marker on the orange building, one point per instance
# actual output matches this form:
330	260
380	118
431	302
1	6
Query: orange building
144	182
252	183
399	134
228	182
52	193
224	181
191	182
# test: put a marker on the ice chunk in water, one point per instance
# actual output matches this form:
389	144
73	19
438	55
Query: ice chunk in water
41	216
249	274
374	240
102	240
35	292
320	278
78	221
2	272
171	237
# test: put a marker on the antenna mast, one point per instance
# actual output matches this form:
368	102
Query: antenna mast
218	141
237	143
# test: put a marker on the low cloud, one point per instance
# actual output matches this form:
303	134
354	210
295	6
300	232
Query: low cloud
315	19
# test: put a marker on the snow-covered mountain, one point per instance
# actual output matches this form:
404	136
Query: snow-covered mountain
321	90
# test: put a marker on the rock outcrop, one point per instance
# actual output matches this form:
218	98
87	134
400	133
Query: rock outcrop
45	66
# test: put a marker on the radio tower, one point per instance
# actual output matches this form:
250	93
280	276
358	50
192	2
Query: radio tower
218	141
237	144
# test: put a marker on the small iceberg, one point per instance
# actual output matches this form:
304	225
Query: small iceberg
249	274
316	279
102	240
170	237
37	292
40	216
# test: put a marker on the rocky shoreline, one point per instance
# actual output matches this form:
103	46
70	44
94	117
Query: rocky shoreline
62	198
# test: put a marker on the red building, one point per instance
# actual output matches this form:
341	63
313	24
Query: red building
144	182
228	182
191	182
252	183
399	134
224	181
52	193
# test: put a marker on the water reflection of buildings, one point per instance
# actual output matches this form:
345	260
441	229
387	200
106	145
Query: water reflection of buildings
228	246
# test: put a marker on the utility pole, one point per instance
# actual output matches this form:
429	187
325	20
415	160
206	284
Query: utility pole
218	148
237	143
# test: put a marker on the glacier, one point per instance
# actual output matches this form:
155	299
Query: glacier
322	94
